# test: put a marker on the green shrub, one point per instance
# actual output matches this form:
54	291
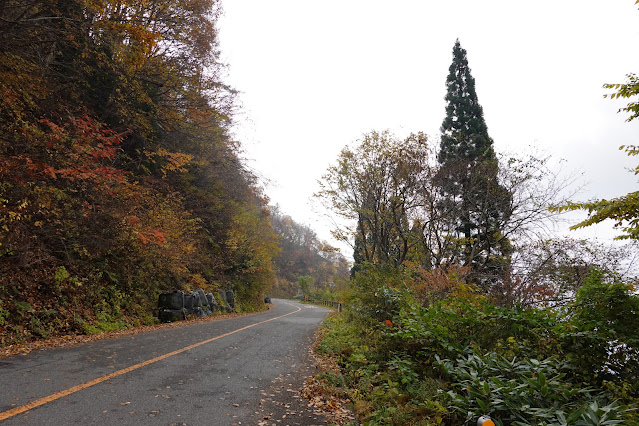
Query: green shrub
602	334
448	327
523	392
453	359
378	297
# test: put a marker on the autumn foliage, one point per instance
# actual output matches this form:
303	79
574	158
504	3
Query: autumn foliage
118	176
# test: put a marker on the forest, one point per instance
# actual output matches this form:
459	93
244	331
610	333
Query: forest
119	176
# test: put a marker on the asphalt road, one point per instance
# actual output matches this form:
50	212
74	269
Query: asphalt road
208	373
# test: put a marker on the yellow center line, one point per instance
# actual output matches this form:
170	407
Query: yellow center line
39	402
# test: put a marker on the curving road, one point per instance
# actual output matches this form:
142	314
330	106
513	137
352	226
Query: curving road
208	373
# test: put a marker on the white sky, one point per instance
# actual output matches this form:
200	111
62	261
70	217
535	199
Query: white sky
316	75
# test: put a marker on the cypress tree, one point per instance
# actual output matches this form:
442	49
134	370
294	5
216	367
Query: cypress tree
464	131
476	203
358	256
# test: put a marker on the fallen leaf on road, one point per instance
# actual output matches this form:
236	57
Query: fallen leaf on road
326	400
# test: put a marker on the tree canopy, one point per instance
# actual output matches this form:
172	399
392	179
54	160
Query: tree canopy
624	210
468	177
376	186
464	134
119	178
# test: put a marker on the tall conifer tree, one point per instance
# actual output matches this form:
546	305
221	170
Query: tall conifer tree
464	131
477	204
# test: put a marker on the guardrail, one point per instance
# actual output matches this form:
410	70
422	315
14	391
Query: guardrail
329	303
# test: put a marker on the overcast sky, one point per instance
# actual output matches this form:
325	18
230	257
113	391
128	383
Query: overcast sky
316	75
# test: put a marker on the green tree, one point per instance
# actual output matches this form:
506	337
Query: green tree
604	340
468	176
464	131
358	257
305	282
627	90
624	211
375	187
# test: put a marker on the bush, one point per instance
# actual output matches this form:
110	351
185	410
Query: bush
524	392
447	357
601	335
378	295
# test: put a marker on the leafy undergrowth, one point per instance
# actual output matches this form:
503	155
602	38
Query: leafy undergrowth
324	390
360	378
62	306
69	307
397	361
